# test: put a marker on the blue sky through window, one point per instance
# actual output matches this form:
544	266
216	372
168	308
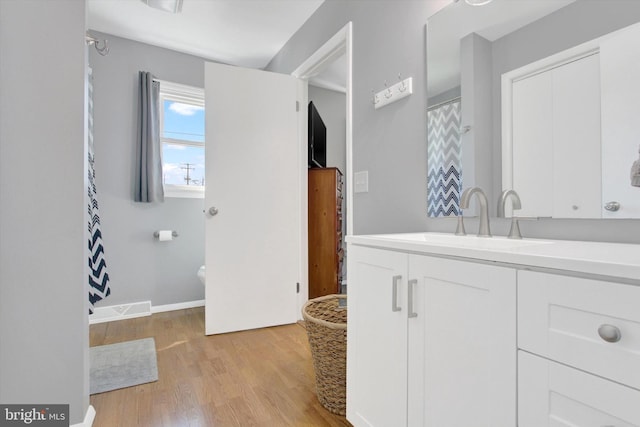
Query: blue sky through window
184	122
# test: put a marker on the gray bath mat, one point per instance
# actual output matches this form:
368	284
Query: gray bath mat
122	365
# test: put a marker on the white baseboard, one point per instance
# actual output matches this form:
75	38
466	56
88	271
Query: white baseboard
136	309
88	418
177	306
120	312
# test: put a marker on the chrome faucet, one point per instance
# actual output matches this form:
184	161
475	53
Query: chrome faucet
514	233
483	230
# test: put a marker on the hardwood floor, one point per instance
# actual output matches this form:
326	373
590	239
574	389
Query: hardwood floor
262	377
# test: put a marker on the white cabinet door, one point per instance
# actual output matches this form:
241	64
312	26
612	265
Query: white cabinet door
555	395
462	344
576	191
377	338
533	144
620	60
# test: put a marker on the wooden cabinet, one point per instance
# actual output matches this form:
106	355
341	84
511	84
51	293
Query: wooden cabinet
431	341
325	231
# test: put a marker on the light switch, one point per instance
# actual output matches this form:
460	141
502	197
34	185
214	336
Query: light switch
361	182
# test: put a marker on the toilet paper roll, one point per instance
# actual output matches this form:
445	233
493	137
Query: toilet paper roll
165	235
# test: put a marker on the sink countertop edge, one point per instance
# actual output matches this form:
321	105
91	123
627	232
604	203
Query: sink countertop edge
615	260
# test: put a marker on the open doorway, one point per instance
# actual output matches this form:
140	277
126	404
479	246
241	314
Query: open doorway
328	78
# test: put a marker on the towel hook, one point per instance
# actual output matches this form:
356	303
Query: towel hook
375	97
402	86
388	93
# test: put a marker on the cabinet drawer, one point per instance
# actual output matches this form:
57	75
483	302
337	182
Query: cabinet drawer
554	395
574	321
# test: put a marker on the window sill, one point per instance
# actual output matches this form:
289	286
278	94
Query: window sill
184	191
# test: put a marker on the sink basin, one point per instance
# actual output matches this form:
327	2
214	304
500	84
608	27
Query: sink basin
469	241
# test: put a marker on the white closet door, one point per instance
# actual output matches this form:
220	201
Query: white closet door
576	139
620	71
533	144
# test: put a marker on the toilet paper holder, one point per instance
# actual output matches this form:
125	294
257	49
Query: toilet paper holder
156	234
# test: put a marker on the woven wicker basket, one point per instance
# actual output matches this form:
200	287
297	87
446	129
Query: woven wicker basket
326	324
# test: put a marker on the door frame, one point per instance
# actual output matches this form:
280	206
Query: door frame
340	43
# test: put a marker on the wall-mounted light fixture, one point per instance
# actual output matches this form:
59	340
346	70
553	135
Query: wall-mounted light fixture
172	6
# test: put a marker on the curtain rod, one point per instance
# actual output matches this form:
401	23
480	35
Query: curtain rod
90	40
440	104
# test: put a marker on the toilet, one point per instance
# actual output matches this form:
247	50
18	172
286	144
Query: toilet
201	275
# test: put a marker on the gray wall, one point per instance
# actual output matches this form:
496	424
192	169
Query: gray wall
43	275
140	267
475	58
388	38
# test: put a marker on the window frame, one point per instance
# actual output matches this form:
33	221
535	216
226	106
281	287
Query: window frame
185	94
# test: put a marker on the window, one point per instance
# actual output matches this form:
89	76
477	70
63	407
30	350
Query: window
182	138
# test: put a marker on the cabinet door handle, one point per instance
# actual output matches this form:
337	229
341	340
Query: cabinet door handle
410	285
609	333
394	293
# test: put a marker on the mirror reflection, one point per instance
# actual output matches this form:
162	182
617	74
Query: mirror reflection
536	96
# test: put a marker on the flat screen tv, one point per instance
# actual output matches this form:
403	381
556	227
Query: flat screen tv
317	139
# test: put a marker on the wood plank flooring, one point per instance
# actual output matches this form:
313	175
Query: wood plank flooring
262	377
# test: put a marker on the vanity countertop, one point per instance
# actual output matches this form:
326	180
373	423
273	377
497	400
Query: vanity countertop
613	260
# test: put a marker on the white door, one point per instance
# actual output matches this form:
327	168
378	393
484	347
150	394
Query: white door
253	180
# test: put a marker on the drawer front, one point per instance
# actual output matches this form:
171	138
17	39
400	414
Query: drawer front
554	395
575	321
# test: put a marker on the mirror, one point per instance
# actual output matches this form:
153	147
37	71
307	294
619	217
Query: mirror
470	49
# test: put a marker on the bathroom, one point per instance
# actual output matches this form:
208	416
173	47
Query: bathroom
389	143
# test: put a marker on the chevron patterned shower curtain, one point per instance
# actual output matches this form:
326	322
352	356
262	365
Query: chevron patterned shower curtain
98	276
444	180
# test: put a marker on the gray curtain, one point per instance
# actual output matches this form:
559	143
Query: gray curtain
148	178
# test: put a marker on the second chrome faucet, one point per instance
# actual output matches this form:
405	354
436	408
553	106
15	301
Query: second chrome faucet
514	233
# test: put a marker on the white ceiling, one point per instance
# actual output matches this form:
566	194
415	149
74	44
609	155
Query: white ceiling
247	33
492	21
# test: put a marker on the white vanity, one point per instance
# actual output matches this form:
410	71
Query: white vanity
462	331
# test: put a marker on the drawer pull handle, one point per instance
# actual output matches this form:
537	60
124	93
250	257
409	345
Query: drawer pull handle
394	293
609	333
